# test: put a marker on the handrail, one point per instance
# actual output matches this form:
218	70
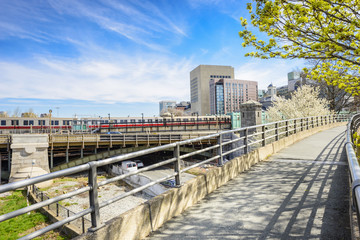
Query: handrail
352	127
241	140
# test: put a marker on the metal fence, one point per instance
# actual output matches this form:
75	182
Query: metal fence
352	127
82	223
230	143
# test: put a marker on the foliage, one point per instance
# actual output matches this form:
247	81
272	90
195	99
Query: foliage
3	114
23	224
29	113
310	29
338	98
13	228
303	103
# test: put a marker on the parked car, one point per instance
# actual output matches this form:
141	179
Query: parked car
128	166
139	163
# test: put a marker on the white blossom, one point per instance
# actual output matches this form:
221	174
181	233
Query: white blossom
303	103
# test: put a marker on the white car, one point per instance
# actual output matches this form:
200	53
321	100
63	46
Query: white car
139	163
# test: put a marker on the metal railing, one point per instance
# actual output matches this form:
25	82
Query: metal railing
82	223
230	144
353	127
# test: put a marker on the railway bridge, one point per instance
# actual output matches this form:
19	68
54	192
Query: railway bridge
289	179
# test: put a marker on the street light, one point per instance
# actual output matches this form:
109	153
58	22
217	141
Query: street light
109	121
50	111
142	122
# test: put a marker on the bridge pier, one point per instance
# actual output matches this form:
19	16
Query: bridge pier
29	156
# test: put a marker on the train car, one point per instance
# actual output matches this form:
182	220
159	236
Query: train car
9	125
159	124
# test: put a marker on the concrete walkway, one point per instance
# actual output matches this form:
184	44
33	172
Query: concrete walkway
300	193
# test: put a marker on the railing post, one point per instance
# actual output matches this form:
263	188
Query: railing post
221	160
246	150
307	123
295	126
263	136
177	165
93	196
312	122
321	121
276	131
301	125
287	128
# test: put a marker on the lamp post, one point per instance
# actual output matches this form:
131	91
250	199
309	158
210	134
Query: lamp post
50	111
142	122
109	121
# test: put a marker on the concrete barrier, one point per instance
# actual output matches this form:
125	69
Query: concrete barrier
137	223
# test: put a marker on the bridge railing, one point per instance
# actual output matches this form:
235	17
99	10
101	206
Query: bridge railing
230	144
353	127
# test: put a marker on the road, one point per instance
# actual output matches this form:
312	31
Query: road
300	193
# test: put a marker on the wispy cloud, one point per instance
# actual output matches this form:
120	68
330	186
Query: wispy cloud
123	79
272	71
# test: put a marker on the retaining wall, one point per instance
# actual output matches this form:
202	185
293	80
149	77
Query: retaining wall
137	223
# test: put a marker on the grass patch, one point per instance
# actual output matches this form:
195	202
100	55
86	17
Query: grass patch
21	225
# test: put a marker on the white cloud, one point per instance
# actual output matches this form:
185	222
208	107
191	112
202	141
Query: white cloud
267	71
123	79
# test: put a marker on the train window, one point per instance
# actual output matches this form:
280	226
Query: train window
132	120
14	122
125	121
139	120
31	122
192	119
200	119
55	123
3	122
150	120
26	122
41	122
160	120
211	119
186	120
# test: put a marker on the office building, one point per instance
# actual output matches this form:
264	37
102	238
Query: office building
164	105
294	81
199	85
226	95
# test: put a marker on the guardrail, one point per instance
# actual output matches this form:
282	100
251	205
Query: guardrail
352	127
235	141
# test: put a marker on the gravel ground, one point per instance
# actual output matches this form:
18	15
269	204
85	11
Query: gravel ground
80	202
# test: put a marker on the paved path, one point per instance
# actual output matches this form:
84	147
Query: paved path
301	193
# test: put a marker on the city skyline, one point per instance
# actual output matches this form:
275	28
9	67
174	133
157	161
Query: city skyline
119	57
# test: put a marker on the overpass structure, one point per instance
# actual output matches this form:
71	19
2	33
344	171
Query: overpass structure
75	149
244	148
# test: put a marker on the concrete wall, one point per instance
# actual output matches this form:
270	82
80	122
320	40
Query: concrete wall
29	151
137	223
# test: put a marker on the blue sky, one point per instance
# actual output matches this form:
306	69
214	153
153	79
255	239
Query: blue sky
122	57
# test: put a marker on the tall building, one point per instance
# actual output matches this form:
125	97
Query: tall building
164	105
199	85
294	81
226	95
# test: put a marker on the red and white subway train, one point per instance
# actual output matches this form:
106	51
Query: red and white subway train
121	124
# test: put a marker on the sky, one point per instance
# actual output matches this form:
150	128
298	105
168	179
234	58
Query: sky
119	57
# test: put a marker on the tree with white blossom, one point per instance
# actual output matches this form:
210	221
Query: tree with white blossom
304	102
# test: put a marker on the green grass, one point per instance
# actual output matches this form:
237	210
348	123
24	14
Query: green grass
20	225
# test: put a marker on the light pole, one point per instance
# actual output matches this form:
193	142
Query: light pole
142	122
109	121
50	111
